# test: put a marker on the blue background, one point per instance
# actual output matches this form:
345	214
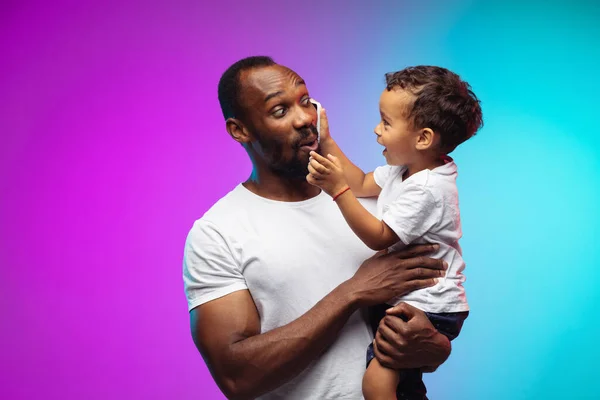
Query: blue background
113	144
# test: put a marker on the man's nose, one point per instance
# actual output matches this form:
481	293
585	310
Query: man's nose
303	118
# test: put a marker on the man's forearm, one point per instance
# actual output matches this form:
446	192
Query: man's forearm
264	362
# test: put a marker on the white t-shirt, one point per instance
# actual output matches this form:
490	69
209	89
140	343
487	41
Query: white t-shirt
289	255
424	209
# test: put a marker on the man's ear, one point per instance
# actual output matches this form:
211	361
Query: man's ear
426	139
237	130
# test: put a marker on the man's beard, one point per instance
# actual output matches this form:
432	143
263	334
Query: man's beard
297	166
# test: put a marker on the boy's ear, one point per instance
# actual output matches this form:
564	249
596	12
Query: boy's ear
237	130
427	139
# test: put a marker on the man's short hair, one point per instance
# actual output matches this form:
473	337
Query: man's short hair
443	102
230	86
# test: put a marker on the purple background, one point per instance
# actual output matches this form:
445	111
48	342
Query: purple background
112	144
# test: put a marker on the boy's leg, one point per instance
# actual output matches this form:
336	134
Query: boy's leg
412	386
380	383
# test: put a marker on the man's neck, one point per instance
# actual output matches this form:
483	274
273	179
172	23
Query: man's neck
279	188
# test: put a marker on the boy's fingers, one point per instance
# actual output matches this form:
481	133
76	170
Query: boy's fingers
335	161
327	163
310	179
313	172
322	160
324	122
316	156
318	166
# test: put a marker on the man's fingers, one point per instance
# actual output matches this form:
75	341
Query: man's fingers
425	263
417	250
394	324
401	310
381	345
384	347
383	352
416	284
387	330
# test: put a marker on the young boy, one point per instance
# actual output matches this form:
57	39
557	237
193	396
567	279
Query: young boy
425	112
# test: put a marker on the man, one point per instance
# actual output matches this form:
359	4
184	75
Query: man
273	275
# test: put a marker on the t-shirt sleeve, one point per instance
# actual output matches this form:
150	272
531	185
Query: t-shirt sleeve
413	213
382	174
209	267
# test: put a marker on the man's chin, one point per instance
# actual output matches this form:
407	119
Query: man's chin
295	175
295	171
305	156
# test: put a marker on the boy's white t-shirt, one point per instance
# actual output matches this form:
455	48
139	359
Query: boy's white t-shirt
289	255
424	209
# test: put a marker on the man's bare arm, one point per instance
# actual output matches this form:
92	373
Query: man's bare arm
246	363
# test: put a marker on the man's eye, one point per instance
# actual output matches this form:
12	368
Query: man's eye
306	100
280	112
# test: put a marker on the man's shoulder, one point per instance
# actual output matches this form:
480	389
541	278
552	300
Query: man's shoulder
223	213
226	207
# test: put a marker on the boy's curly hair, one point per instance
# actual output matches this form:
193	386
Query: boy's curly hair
443	102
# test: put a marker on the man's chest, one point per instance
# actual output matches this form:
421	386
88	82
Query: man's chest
299	256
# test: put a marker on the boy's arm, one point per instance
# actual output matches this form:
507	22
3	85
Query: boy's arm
373	232
328	174
363	185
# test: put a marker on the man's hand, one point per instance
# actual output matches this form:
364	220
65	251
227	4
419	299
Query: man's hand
387	275
407	339
326	173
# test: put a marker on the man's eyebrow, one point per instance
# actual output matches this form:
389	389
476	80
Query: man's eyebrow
279	93
271	95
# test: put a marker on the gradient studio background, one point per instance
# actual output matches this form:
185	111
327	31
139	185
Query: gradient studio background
112	144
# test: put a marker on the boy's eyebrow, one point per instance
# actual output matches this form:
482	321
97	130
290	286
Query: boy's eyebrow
383	114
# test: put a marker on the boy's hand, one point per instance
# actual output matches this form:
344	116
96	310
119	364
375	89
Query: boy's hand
326	173
324	127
